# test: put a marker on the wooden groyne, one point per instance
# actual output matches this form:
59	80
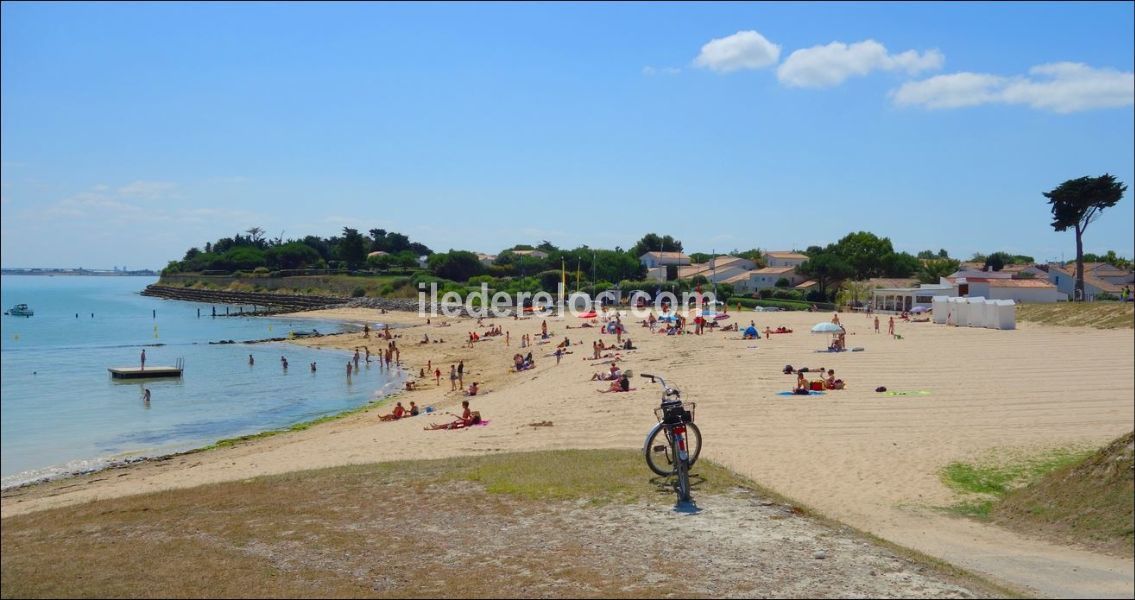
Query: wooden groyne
274	303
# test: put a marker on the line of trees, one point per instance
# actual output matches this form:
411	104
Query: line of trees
251	250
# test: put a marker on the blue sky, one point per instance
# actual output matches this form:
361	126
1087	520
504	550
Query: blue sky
131	132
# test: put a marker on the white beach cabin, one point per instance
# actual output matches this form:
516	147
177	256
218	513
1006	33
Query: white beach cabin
1006	314
940	306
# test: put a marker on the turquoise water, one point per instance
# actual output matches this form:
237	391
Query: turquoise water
62	412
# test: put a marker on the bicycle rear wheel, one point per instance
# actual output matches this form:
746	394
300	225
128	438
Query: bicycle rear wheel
659	449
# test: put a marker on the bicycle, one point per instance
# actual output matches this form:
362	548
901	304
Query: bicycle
683	439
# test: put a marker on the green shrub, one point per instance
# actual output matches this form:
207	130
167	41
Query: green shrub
358	292
386	290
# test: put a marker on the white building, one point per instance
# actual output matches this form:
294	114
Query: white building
1065	281
784	259
663	259
540	254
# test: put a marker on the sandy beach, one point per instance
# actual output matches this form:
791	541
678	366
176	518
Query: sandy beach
866	459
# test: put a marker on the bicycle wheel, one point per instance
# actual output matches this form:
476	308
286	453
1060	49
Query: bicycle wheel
658	451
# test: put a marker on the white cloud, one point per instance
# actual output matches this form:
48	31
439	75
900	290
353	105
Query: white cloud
150	190
1062	87
831	65
742	50
950	91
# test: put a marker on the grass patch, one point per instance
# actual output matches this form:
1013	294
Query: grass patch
1100	315
988	480
505	525
574	475
1090	502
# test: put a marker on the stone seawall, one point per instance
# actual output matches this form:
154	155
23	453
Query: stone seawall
277	302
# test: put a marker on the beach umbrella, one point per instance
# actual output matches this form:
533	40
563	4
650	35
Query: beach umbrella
826	327
587	315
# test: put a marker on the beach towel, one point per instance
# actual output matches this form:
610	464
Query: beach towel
912	393
810	393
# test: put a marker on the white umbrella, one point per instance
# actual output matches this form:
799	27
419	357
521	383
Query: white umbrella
826	327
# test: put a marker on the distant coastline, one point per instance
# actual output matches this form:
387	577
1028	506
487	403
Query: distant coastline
80	271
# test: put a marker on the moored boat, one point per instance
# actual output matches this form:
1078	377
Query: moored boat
21	310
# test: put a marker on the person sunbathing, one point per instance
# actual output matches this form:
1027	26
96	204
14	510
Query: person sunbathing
611	375
466	419
622	384
473	389
801	384
398	412
831	382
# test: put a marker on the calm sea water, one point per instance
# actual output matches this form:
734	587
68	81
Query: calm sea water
62	412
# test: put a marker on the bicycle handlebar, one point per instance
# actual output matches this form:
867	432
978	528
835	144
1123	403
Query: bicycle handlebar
669	391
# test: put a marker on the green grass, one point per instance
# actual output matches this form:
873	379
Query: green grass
573	475
988	480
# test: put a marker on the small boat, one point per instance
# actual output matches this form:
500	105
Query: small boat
20	310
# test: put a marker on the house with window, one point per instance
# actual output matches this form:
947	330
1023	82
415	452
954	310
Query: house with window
1065	280
652	260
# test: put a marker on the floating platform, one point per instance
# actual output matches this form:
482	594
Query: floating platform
148	372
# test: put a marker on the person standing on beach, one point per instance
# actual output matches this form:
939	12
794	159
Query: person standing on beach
891	326
460	373
876	324
251	361
437	376
143	359
506	339
452	378
559	355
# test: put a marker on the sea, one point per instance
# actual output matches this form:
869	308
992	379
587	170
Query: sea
61	412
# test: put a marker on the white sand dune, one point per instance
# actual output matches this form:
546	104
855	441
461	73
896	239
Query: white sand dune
866	459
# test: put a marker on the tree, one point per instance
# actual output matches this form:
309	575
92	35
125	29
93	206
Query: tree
756	255
458	265
652	242
351	248
1076	203
1110	258
864	251
827	268
943	254
995	262
292	255
900	264
932	271
926	254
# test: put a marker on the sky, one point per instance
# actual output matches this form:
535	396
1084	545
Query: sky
131	132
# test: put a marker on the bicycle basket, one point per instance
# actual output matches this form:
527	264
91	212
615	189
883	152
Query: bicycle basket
675	413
